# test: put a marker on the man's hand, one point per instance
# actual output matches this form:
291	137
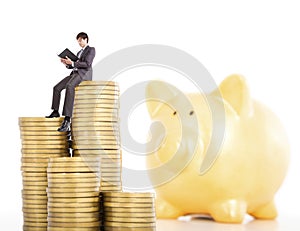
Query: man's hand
66	61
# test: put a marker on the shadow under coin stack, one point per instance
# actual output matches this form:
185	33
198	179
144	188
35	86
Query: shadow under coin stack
129	211
73	194
95	129
40	141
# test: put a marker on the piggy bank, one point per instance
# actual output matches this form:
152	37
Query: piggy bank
246	171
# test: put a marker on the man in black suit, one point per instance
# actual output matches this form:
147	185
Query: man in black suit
82	70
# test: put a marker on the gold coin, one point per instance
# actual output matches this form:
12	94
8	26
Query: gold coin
34	188
32	169
36	215
73	219
96	97
39	125
35	165
35	220
35	183
130	219
71	195
100	147
30	228
35	224
44	142
73	185
122	228
74	164
35	206
94	111
43	138
128	209
45	152
97	83
128	205
35	197
106	119
34	160
129	224
95	129
107	153
96	142
98	91
67	176
96	105
98	139
72	160
129	200
72	205
74	170
95	123
34	174
37	129
75	200
102	116
40	119
34	179
75	224
38	146
130	194
96	100
75	215
50	228
43	133
73	210
102	134
85	180
131	215
71	190
35	201
31	210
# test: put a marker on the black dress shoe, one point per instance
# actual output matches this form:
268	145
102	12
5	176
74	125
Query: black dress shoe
53	115
65	126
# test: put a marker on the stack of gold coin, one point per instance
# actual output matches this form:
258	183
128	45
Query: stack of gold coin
40	141
95	129
73	194
129	211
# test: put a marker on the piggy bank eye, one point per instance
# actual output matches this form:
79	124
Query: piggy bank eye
174	113
191	112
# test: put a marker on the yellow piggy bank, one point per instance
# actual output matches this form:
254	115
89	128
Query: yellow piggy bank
241	175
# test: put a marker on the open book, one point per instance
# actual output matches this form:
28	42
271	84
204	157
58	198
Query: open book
70	54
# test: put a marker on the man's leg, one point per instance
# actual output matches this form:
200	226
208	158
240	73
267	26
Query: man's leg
57	92
70	94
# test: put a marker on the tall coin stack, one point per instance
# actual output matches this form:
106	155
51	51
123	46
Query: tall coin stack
129	211
95	129
40	141
73	194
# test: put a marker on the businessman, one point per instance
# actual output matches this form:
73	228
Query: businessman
82	70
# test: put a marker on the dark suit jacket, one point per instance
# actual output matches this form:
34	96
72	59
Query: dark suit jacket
84	64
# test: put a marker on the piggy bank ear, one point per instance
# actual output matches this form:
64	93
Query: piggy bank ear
235	92
157	94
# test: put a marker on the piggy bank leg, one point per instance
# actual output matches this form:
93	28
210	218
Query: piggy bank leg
231	211
165	210
267	211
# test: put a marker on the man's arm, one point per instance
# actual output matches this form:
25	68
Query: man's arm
88	60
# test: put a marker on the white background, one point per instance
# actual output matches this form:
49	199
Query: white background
258	39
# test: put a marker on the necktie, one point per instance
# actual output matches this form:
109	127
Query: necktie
80	52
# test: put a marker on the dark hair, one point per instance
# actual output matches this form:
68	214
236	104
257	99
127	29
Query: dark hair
83	36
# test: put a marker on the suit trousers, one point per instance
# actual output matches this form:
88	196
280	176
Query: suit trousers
69	83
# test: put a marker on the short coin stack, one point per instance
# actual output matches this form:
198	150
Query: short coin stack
128	211
40	141
95	129
73	194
